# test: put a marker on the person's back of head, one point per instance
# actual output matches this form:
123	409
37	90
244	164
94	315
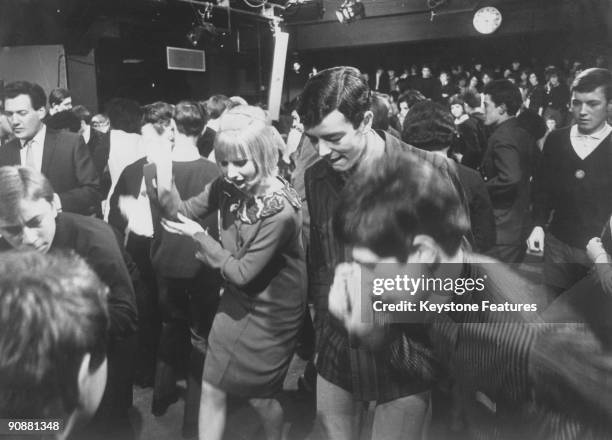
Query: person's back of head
159	114
124	114
429	126
339	88
471	99
380	108
190	120
504	92
384	207
216	105
54	322
590	79
411	97
81	112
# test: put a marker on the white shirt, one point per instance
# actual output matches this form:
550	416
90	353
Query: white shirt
38	143
584	144
137	211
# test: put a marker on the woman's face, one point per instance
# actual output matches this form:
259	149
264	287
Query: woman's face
473	81
533	79
241	172
456	110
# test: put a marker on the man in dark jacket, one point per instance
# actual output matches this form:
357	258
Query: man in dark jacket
335	111
506	169
30	221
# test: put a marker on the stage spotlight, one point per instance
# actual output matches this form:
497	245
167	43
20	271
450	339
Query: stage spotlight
350	10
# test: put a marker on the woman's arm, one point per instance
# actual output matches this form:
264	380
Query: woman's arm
273	235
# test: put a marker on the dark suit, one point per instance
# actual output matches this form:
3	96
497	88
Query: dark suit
506	169
68	166
206	142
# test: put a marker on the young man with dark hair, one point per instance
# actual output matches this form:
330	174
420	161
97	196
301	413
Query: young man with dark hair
61	156
60	100
574	182
335	110
213	108
514	375
54	322
507	169
188	290
30	221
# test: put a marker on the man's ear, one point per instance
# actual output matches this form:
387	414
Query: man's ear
366	123
502	109
42	112
426	250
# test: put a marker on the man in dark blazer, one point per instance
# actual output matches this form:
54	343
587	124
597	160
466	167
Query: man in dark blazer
506	169
61	156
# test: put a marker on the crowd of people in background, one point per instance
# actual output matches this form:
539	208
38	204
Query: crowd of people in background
199	232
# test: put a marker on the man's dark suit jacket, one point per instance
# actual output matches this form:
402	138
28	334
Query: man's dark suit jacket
206	142
507	169
68	166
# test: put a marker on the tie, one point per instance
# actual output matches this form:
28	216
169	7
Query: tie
30	161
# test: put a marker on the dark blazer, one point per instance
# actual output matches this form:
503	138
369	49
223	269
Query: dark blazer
128	184
99	148
206	142
507	170
67	164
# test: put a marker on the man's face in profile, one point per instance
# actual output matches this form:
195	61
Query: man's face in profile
337	141
35	227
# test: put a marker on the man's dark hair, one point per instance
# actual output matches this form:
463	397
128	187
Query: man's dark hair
33	90
380	109
159	114
504	92
411	97
429	126
470	98
18	183
532	123
81	112
590	79
52	312
216	105
58	95
124	114
189	118
383	208
339	88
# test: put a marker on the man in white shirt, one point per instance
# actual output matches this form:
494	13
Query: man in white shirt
575	183
61	156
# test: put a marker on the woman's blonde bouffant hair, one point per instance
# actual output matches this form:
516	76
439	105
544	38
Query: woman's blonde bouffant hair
245	132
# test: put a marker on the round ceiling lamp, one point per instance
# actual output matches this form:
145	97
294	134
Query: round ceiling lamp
487	20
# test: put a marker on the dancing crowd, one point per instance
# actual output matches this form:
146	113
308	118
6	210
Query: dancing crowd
201	241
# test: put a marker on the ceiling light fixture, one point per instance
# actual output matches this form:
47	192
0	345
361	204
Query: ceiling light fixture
350	10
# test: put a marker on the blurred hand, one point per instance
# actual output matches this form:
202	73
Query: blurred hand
535	242
595	250
185	226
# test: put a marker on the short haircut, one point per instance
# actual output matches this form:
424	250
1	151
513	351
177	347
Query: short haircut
471	99
411	97
82	113
216	105
383	207
505	92
124	114
533	123
339	88
65	120
590	79
429	126
245	132
159	115
33	90
380	109
456	99
58	95
189	118
19	183
52	312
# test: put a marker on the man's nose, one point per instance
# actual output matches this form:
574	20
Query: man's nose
28	236
323	148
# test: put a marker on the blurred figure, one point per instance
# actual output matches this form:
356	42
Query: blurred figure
60	100
54	322
213	108
100	122
84	116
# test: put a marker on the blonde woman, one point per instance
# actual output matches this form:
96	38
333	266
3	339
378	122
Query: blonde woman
261	258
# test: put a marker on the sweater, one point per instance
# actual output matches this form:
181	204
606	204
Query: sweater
577	191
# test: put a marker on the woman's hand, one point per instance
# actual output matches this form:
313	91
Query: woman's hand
596	251
185	226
